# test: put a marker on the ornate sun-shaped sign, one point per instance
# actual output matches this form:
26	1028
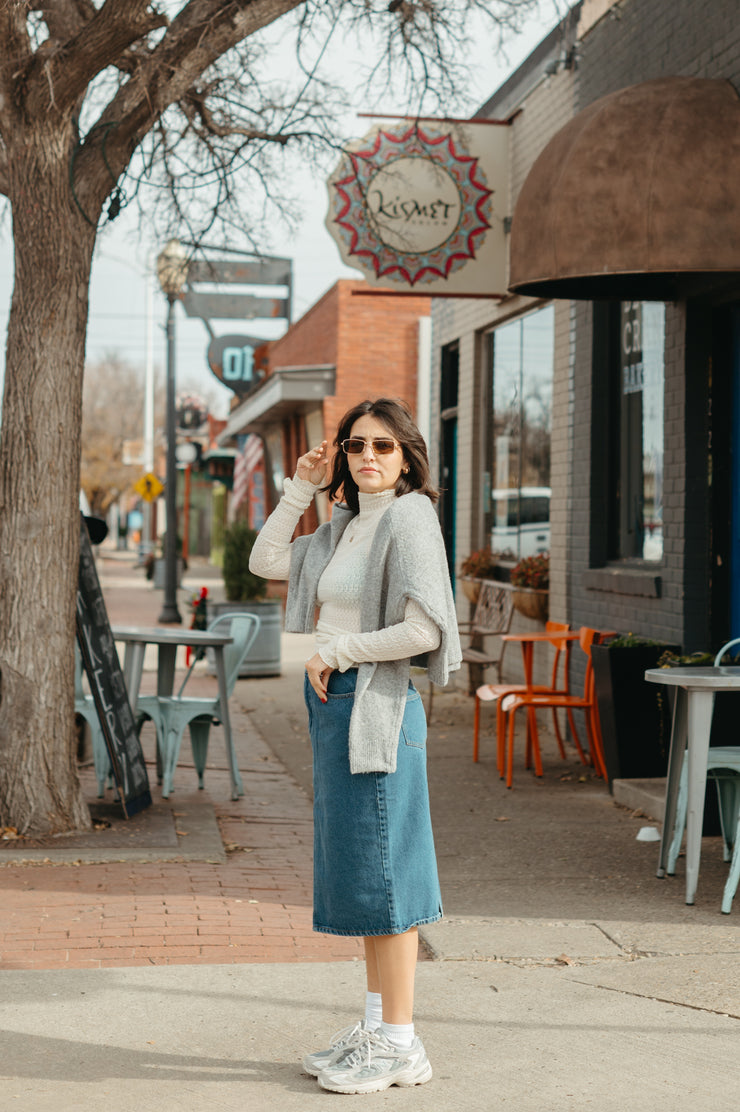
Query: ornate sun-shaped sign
411	205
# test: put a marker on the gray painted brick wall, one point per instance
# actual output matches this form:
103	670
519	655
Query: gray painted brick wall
634	42
638	41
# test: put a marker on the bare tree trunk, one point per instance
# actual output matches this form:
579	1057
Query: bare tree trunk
39	486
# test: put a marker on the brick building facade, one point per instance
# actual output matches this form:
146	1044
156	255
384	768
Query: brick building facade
688	600
677	582
347	347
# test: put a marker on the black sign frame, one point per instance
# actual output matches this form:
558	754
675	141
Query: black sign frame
103	668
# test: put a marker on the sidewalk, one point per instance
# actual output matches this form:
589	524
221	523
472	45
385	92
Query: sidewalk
189	880
564	977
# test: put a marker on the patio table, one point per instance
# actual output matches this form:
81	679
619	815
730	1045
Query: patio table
136	638
690	730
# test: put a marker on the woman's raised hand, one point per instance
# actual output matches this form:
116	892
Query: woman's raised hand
313	465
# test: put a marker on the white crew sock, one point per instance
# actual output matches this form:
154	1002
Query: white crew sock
399	1034
373	1010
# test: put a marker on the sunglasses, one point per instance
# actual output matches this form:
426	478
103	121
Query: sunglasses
380	446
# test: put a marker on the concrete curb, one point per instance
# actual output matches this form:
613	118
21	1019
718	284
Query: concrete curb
186	830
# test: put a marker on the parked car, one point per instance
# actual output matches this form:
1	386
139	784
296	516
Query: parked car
521	520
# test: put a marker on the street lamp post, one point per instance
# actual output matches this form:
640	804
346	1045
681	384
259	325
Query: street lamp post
172	271
148	533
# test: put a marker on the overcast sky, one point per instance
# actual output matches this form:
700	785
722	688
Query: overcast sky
118	301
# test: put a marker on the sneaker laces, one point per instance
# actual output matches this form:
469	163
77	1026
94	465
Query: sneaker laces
372	1043
343	1042
347	1035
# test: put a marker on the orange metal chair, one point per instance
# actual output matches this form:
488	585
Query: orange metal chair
535	700
489	692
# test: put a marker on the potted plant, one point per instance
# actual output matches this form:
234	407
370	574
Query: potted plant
531	581
478	565
246	592
484	564
635	721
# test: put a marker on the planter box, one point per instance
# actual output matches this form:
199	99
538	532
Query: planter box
470	587
532	602
635	717
263	659
503	570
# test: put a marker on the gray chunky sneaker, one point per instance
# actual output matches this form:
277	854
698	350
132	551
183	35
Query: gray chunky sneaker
375	1064
341	1043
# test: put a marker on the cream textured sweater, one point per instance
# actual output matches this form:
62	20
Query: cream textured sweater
407	562
339	639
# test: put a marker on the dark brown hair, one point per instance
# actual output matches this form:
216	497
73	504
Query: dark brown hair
398	420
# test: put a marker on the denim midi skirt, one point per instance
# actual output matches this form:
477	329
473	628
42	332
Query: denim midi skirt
375	870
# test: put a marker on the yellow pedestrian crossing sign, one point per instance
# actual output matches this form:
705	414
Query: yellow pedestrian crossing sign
149	487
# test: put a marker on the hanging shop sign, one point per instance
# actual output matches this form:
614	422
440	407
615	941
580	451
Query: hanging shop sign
242	306
205	297
421	207
231	358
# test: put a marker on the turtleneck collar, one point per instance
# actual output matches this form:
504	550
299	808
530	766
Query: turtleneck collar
371	503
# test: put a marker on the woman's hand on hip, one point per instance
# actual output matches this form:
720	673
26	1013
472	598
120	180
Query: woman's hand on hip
318	675
313	465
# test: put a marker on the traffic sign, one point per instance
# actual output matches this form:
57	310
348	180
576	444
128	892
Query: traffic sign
149	487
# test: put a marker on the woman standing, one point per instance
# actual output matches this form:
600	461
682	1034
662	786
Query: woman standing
378	573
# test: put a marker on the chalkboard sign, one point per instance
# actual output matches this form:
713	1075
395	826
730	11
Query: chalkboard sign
107	685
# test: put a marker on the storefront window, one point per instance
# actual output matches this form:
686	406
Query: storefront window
522	425
639	488
273	438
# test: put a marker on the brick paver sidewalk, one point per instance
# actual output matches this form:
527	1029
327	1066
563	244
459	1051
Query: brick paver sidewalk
255	907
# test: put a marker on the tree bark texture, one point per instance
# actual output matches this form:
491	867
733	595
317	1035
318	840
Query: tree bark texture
57	183
39	484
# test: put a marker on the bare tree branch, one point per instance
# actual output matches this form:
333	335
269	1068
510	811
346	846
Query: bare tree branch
202	32
195	108
17	54
65	18
61	71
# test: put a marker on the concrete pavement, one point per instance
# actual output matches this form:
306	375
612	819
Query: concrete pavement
565	976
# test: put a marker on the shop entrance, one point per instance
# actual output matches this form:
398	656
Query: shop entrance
734	585
723	430
450	378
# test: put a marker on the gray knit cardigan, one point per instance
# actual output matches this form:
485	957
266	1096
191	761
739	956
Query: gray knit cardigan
407	561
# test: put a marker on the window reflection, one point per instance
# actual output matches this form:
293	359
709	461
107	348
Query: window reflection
640	489
273	438
522	426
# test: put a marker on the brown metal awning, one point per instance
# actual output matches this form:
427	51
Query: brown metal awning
637	197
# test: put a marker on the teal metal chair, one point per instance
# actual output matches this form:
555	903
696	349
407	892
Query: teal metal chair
85	707
723	768
172	714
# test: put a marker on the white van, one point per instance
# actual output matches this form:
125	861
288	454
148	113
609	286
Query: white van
521	520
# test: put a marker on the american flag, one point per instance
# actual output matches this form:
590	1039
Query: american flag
244	464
